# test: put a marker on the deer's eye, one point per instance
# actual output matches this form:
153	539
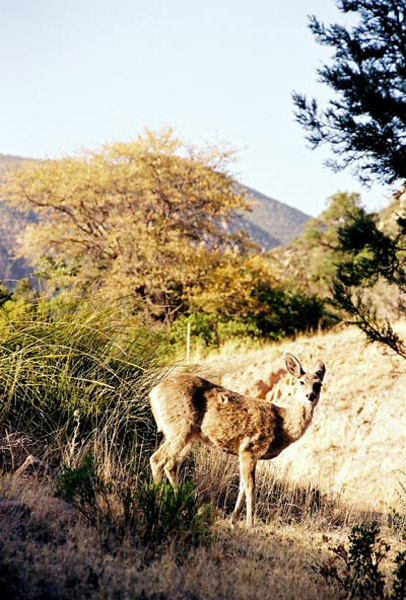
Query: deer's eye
301	382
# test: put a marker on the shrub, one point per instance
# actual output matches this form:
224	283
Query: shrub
279	313
160	513
203	328
152	515
361	576
83	487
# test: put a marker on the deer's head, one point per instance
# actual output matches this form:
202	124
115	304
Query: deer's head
309	383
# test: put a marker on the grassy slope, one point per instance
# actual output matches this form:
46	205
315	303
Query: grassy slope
48	552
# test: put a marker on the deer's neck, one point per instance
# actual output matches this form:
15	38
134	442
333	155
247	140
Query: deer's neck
296	419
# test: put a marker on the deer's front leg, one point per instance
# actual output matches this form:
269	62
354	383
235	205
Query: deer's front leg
248	464
238	504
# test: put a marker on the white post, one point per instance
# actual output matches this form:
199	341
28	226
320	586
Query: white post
188	343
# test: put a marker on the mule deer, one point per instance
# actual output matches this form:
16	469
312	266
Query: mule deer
188	408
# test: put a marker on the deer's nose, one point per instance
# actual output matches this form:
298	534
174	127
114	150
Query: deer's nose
311	396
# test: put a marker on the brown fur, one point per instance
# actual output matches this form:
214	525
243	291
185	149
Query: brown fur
188	408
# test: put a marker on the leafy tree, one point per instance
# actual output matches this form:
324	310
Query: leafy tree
310	261
365	122
320	240
145	219
376	252
365	126
248	300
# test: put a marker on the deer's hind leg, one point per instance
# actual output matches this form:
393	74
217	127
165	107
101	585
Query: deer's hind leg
158	461
178	449
238	504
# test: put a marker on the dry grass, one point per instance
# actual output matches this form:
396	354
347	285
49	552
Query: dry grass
47	550
50	552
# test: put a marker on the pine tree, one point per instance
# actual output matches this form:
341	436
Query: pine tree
365	121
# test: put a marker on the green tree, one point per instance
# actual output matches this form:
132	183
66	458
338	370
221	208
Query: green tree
311	260
375	252
144	219
365	121
365	126
320	240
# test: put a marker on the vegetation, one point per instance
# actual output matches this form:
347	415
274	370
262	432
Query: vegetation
75	374
135	242
364	123
374	253
110	532
310	262
362	576
365	126
141	219
152	222
244	300
153	515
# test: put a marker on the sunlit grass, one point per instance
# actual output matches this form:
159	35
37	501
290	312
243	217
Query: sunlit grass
73	373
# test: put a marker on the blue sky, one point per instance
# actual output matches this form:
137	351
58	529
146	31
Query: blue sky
79	73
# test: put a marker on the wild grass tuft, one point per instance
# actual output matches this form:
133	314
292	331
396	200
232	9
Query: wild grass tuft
397	514
75	372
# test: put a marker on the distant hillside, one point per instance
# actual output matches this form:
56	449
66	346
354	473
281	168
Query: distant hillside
12	223
8	161
270	223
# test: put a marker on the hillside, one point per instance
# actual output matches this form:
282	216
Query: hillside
269	223
12	266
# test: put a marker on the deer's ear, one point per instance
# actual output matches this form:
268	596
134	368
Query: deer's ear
320	369
293	365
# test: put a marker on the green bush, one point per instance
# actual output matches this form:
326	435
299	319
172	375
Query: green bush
280	313
160	513
151	515
203	329
286	312
83	487
361	577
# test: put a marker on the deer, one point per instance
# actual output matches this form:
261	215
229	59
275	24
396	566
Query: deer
189	409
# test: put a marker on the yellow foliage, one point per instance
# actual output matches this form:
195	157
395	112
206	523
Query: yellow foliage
146	218
230	287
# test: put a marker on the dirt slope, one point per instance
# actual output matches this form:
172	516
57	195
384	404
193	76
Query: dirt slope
356	444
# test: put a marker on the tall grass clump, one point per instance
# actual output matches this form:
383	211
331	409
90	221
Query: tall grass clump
74	373
74	379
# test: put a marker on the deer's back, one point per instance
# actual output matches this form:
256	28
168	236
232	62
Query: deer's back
194	406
